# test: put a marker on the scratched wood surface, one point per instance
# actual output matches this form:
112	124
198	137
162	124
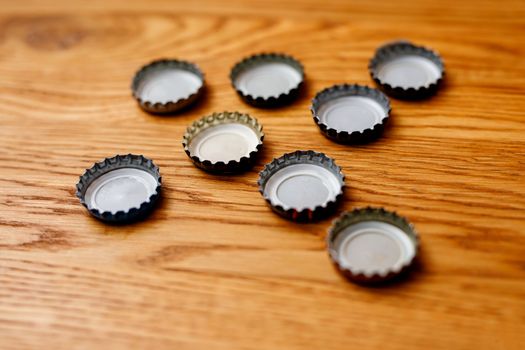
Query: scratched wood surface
213	267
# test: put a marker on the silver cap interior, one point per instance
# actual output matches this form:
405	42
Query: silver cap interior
224	142
302	186
409	71
373	247
120	190
168	84
351	113
268	79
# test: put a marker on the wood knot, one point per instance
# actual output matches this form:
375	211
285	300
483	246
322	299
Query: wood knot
46	33
54	35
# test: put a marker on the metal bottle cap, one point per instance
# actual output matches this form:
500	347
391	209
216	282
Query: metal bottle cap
268	79
166	86
302	186
224	142
372	245
351	113
120	189
407	71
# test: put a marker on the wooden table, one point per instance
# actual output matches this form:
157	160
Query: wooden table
213	267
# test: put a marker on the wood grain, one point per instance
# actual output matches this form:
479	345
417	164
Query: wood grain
213	267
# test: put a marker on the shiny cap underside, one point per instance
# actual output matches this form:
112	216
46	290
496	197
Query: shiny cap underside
224	142
267	79
168	84
409	71
351	113
373	247
302	186
120	190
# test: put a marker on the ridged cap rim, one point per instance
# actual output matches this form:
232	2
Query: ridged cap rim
300	157
219	118
170	106
118	162
341	90
370	214
401	48
256	59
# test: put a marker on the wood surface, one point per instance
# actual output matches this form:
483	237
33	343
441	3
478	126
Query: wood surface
214	267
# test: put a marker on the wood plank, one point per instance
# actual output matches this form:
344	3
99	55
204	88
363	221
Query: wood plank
213	267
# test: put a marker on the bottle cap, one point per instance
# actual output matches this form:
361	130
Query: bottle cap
407	71
226	142
167	86
372	245
302	186
351	113
120	189
268	79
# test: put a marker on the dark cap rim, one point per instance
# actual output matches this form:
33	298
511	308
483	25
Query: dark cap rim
400	48
219	118
170	106
301	157
341	90
371	214
271	101
118	162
